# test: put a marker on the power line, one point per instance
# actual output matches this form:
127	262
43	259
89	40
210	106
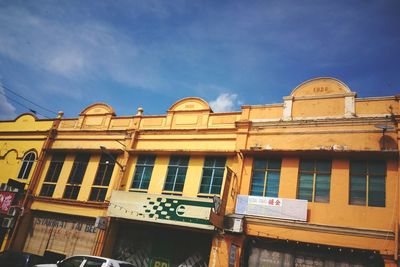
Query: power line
11	91
16	102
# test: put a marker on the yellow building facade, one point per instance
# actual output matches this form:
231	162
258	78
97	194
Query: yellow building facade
21	142
319	180
312	181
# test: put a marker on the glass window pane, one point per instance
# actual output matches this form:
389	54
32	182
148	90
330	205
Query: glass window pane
216	190
79	168
305	186
358	167
212	176
209	162
322	188
307	165
207	172
22	171
107	175
323	166
174	160
145	185
260	164
102	194
176	173
377	168
220	162
47	190
205	184
143	171
100	174
27	170
182	171
376	191
219	172
272	184
274	164
257	190
183	160
93	194
75	192
67	192
358	188
204	188
55	167
137	177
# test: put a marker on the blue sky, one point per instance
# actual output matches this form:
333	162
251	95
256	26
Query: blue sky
66	54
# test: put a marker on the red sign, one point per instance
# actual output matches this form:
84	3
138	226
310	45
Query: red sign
6	199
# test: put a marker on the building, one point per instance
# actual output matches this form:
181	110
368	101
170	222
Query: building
312	181
319	180
21	143
104	167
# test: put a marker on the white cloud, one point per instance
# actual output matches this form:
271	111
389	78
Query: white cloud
225	102
78	50
7	110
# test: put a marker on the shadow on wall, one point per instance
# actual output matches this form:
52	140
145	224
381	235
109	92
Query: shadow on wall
387	143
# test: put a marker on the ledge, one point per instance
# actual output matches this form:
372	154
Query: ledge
359	154
296	225
71	202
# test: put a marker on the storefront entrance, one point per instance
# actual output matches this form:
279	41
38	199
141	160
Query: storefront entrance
61	234
160	246
277	253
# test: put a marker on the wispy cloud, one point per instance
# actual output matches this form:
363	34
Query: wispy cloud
7	110
225	102
75	50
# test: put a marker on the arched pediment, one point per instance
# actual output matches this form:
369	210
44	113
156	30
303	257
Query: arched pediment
98	109
26	117
323	86
190	104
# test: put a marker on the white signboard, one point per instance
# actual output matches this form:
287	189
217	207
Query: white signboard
282	208
191	212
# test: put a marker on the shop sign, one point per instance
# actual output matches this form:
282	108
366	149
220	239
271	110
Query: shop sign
57	233
6	199
282	208
173	210
159	263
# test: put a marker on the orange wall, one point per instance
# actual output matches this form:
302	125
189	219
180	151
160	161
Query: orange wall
318	107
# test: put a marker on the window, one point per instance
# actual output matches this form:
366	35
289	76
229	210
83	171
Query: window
265	178
143	171
76	176
71	262
213	174
27	164
368	183
103	178
93	262
53	173
176	174
314	180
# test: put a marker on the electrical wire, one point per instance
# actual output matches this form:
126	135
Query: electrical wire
26	99
19	103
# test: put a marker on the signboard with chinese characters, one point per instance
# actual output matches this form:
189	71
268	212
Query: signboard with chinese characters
6	200
182	211
282	208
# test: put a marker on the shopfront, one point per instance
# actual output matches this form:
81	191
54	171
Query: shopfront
61	234
280	253
160	230
154	245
